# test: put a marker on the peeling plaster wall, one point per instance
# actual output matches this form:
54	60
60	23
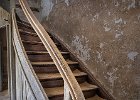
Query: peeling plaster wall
105	35
32	3
3	15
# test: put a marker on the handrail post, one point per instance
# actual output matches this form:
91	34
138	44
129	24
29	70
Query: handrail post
67	95
11	58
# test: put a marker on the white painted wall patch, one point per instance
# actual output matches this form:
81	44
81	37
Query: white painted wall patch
95	18
132	5
118	21
99	56
117	4
47	6
111	76
102	45
118	34
109	13
82	49
107	28
132	55
67	2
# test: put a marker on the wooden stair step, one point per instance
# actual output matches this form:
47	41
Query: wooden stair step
96	97
50	69
25	32
59	91
29	36
36	42
26	22
42	52
28	33
55	80
51	63
24	25
32	42
42	56
49	76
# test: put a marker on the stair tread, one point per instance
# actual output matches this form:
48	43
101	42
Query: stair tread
51	63
43	76
96	97
56	91
24	24
42	52
35	42
28	33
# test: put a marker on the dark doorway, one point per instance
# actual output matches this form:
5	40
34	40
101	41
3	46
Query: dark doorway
3	60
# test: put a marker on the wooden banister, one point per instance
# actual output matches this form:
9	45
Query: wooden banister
71	83
28	85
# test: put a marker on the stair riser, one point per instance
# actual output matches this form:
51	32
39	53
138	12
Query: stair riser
28	37
89	93
45	57
36	47
57	98
50	69
59	82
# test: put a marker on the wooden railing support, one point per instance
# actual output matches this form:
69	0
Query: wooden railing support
28	85
11	58
61	64
67	95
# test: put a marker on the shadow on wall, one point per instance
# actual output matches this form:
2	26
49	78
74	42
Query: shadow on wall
5	4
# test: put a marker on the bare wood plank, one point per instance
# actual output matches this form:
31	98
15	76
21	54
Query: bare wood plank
26	65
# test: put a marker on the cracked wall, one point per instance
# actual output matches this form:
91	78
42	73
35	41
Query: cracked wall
105	34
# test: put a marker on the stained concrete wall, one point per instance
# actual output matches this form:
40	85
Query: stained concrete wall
105	35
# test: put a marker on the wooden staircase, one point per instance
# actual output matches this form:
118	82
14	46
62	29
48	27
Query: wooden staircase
46	70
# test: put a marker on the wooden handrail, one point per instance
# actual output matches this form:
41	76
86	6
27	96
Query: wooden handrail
61	64
21	56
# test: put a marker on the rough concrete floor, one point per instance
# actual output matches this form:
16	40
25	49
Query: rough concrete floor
4	95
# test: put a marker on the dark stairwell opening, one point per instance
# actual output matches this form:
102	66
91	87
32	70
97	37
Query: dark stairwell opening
3	60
